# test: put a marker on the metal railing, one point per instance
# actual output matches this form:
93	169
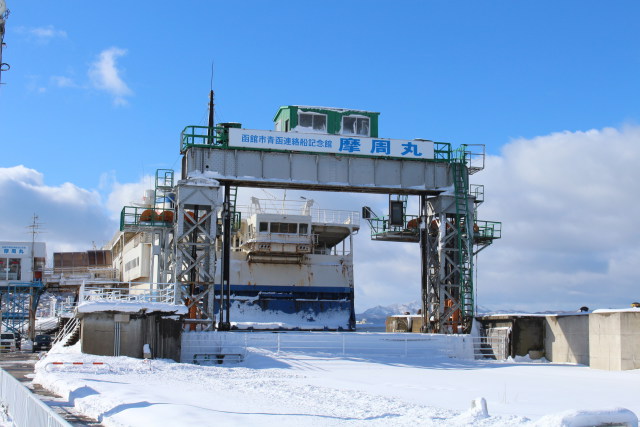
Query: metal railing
67	330
197	344
134	292
284	238
327	216
442	151
76	275
25	409
381	226
136	216
299	207
66	309
495	348
201	136
487	229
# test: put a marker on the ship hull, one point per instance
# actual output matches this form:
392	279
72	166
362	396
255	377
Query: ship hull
290	308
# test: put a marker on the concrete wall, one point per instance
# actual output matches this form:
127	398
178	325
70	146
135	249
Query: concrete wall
630	339
614	339
604	339
566	339
162	334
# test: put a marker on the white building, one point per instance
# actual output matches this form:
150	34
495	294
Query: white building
21	261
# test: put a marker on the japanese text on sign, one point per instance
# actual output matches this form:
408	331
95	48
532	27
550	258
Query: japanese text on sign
324	143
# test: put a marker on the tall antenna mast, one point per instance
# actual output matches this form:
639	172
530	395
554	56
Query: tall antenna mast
4	14
35	228
211	108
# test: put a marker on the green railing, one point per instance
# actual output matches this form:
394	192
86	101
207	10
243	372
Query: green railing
164	178
477	191
442	151
135	216
203	136
487	230
380	226
237	221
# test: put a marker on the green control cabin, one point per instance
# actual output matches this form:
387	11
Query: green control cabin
334	121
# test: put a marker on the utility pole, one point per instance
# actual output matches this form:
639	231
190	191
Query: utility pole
35	228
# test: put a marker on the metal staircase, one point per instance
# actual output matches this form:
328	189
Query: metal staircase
235	215
70	333
464	223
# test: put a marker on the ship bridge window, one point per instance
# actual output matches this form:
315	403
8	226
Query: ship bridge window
355	126
284	227
264	227
313	120
303	229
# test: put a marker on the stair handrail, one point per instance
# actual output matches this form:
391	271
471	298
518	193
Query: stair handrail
69	327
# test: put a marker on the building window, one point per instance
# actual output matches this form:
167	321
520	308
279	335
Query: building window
315	121
132	264
355	125
10	269
284	227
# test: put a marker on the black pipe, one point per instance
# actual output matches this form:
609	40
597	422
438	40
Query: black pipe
225	300
424	271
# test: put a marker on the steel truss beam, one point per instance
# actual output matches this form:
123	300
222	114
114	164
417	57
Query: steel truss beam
443	292
193	256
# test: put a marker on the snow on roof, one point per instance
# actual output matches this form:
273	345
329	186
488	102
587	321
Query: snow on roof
340	110
130	307
200	179
617	310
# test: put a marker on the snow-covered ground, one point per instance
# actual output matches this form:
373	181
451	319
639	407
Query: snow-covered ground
305	389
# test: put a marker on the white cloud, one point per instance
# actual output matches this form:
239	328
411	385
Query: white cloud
62	81
47	32
42	35
105	75
570	221
72	217
126	194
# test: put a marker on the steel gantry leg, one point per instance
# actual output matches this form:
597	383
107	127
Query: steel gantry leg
194	256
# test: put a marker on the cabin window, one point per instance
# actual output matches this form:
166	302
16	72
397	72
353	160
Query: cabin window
303	228
264	227
284	227
313	120
355	126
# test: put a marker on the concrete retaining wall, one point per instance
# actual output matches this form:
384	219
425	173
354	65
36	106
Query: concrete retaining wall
614	339
566	339
161	333
603	339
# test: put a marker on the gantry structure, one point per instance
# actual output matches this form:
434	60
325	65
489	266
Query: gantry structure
310	150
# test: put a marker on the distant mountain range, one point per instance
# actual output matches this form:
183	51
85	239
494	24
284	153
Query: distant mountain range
377	315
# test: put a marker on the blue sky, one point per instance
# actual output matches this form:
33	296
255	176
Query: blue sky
98	93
